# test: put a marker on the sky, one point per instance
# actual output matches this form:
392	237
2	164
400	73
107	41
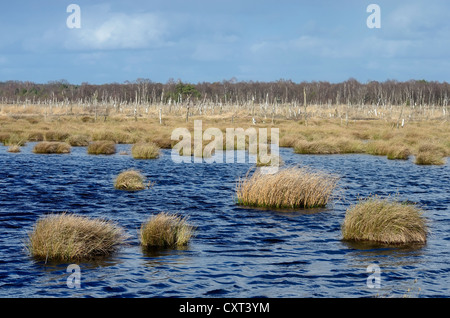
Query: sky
213	40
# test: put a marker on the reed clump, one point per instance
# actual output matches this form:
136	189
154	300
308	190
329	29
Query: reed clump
51	147
78	140
430	154
14	148
102	147
68	237
293	187
384	221
398	152
147	150
130	180
166	230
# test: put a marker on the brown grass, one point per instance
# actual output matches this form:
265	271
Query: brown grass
148	150
165	230
294	187
102	147
78	140
384	221
130	180
69	237
51	147
14	149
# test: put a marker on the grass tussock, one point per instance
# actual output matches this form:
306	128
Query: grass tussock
430	154
165	230
398	152
55	135
384	221
102	147
78	140
14	149
130	180
148	150
294	187
67	237
51	147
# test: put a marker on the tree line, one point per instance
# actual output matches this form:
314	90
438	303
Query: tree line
231	92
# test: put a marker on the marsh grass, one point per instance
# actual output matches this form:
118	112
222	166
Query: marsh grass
51	147
102	147
292	187
148	150
165	230
14	139
384	221
68	237
130	180
14	148
78	140
430	154
398	152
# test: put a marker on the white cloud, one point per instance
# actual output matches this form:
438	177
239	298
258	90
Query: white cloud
118	31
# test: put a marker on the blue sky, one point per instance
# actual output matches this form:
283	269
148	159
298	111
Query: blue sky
213	40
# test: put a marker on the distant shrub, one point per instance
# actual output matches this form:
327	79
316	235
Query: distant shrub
51	147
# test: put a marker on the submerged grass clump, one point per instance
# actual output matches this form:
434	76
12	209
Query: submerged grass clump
130	180
148	150
165	230
294	187
51	147
384	221
14	148
102	147
67	237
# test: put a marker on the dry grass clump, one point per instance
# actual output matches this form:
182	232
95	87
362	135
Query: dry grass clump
78	140
430	154
315	147
329	146
55	135
165	230
102	147
429	158
130	180
294	187
14	148
14	139
378	148
70	237
148	150
51	147
384	221
399	152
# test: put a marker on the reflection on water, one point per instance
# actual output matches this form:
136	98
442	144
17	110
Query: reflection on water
236	251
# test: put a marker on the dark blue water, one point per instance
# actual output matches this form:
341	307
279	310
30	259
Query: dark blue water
236	252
